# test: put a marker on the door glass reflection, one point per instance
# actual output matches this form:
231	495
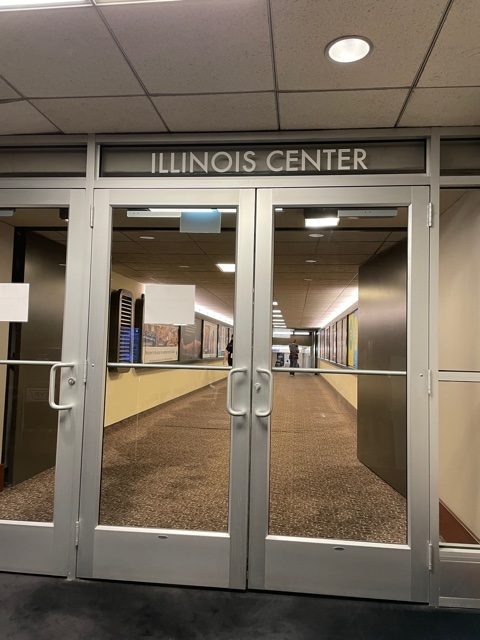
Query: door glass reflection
33	251
166	445
338	450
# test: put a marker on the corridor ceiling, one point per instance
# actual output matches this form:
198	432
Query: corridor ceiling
237	65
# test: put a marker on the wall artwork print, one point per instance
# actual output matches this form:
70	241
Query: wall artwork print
160	343
222	340
191	341
210	331
353	340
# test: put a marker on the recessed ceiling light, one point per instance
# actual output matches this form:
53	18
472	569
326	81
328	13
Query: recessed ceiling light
311	261
275	303
147	238
316	235
348	49
278	209
226	267
317	223
184	266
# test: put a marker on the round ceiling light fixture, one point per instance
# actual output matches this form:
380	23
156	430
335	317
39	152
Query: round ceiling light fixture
348	49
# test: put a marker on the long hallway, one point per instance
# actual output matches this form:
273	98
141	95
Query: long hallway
169	468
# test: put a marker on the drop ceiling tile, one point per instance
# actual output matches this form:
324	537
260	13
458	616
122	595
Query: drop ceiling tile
455	60
102	115
62	52
443	107
340	109
196	47
6	91
21	117
220	112
400	32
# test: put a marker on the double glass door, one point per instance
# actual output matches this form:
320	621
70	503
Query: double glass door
250	369
301	463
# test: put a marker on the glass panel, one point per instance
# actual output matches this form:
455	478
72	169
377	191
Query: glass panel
460	157
338	451
166	446
33	251
459	302
459	471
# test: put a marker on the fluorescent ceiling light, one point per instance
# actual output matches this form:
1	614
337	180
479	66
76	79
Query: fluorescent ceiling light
317	223
367	213
226	267
147	238
275	303
348	49
344	304
205	311
278	209
316	235
301	333
14	4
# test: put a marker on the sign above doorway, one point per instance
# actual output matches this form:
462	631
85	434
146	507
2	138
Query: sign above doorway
370	157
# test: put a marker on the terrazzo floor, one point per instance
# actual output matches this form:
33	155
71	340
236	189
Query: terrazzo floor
169	468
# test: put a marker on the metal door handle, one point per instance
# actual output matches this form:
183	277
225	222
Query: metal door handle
230	409
51	386
266	412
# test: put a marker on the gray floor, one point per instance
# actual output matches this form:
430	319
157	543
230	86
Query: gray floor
38	608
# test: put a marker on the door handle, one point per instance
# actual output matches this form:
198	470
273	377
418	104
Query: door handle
51	386
230	409
266	412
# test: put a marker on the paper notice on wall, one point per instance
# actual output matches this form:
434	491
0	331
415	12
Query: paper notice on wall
14	302
169	304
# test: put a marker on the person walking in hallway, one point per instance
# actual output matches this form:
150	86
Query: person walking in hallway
293	347
229	352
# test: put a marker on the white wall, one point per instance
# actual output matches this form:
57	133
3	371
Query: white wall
6	255
459	349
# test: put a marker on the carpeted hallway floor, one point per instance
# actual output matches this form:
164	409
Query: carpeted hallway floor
169	468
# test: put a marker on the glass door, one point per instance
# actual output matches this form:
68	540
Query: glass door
44	278
339	466
166	449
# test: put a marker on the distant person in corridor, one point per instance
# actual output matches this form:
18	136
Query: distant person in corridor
293	347
229	352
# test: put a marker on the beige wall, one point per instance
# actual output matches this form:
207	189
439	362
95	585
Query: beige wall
6	254
345	385
136	391
459	320
132	392
117	281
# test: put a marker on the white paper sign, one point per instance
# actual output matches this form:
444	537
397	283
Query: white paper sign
169	304
14	302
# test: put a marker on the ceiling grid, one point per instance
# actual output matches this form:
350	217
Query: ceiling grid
255	65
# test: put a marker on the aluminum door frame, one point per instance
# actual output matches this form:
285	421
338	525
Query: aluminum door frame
180	556
384	571
43	547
